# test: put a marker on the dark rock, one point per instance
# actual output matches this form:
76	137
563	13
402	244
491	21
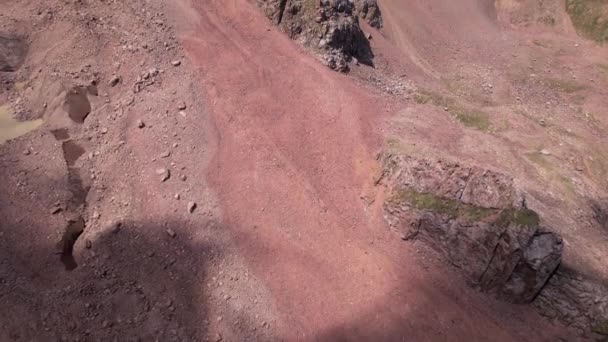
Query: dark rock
331	27
600	212
370	11
12	53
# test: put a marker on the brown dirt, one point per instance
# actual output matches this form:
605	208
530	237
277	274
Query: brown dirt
287	240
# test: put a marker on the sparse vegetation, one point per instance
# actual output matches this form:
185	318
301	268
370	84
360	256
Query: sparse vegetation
590	17
469	213
469	117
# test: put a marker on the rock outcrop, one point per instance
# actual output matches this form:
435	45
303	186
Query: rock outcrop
577	300
477	220
370	12
12	53
330	27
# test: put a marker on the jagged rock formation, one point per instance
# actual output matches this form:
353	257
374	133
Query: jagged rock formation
370	11
477	220
577	300
330	27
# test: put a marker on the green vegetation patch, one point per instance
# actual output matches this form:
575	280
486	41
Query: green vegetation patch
472	118
522	217
468	213
590	17
565	86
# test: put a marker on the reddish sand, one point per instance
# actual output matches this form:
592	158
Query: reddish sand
295	147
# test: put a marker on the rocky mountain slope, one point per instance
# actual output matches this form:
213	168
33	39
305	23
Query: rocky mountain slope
193	171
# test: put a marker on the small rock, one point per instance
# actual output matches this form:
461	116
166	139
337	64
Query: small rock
181	105
545	152
369	36
183	178
88	244
218	337
114	81
171	232
56	210
95	215
191	207
542	122
227	297
164	174
176	63
140	124
104	130
177	196
27	152
165	154
116	227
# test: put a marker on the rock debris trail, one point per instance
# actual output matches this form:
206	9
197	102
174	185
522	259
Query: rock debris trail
295	146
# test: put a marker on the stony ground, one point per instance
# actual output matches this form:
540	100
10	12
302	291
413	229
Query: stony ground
200	176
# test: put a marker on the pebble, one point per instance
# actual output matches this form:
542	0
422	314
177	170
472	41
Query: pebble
191	207
545	152
164	174
176	63
218	337
114	81
181	105
27	152
96	215
140	124
171	232
88	244
177	196
104	130
165	154
183	178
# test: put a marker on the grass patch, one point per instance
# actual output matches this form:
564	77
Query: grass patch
468	213
472	118
522	217
565	86
590	17
395	145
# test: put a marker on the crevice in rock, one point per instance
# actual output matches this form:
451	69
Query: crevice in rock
72	151
282	5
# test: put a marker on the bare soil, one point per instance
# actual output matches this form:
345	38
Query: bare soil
200	176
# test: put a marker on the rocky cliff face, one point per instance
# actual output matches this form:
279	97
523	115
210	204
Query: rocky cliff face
478	220
330	27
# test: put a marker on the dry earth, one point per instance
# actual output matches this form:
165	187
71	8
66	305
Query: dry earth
191	173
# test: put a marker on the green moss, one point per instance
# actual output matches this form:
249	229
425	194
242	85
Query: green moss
468	213
431	202
522	217
590	17
601	327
